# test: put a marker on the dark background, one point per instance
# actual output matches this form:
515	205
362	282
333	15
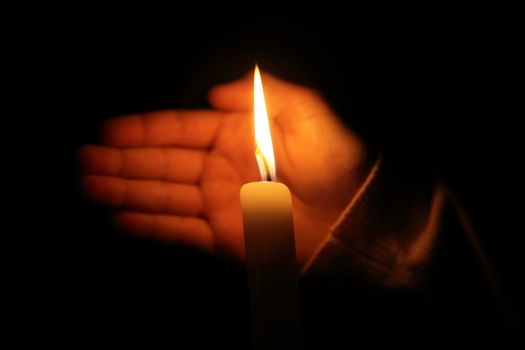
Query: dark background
432	87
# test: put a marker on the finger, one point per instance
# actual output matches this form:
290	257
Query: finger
191	231
167	164
238	95
150	196
171	127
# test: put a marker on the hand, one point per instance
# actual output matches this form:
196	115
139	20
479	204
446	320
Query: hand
176	174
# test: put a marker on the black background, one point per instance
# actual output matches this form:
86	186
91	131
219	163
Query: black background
432	87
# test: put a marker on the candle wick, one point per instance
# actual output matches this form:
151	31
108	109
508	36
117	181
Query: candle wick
264	167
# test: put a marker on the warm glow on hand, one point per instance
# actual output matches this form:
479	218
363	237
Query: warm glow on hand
176	175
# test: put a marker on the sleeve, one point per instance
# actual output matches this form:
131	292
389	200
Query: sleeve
400	227
403	259
386	234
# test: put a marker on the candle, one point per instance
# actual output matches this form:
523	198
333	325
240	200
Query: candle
269	243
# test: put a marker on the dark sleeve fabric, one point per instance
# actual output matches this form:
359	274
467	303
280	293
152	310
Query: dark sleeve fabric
401	268
385	233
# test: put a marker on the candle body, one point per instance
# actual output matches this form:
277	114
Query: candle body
272	265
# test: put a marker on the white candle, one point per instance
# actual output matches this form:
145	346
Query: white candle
270	245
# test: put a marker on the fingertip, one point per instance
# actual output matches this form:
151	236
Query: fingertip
93	159
107	130
133	223
215	96
102	190
232	96
122	131
91	187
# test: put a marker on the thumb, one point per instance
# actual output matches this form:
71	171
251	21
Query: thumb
238	95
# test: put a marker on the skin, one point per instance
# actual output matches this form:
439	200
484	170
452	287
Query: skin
175	175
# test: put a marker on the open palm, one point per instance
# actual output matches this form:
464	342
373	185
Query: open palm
176	175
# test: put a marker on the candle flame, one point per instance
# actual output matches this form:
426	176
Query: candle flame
263	137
